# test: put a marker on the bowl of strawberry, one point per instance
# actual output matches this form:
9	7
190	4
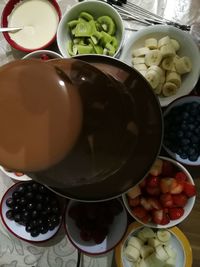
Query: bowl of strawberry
165	197
95	227
43	55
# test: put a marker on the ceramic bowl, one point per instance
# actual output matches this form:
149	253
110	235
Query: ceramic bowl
145	193
42	54
18	176
84	221
18	228
182	130
187	48
96	9
27	30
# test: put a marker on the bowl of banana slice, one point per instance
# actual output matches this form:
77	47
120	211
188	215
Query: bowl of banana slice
167	57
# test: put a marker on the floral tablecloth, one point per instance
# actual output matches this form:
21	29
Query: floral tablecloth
59	252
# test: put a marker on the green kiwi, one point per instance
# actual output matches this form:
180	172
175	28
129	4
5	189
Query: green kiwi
106	38
86	16
107	24
85	29
85	49
72	23
110	49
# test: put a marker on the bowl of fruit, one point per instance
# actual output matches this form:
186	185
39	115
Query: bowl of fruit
90	27
32	212
145	247
95	227
182	130
167	57
43	55
164	198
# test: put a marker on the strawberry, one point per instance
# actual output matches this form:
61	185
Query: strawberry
139	212
133	202
167	169
145	203
175	213
160	217
152	181
165	184
166	200
155	204
146	218
189	189
176	187
44	57
153	191
156	169
179	200
180	176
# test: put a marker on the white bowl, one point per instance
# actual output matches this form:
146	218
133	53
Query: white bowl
17	229
187	48
178	242
116	231
96	8
177	103
187	208
40	53
15	175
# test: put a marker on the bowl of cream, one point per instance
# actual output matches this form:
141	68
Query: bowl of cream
38	19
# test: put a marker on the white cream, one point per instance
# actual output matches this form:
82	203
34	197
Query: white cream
39	20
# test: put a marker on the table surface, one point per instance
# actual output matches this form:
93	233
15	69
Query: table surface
59	252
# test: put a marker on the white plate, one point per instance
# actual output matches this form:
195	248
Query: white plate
17	229
188	48
14	176
178	241
116	233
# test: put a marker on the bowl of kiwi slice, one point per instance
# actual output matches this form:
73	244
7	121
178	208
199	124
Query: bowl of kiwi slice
91	27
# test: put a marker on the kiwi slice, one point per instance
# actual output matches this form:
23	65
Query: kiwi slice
85	49
70	48
110	49
96	37
85	29
114	42
107	24
87	16
106	38
72	23
98	49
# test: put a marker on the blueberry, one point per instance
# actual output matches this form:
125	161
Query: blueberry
185	141
43	229
188	134
34	233
42	189
39	207
29	195
39	198
16	208
183	155
30	206
15	195
21	189
35	186
180	134
17	217
194	139
25	216
34	214
22	201
191	127
193	157
191	151
28	228
185	115
33	223
10	214
9	202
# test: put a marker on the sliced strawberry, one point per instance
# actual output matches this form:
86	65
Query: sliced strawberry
146	218
44	57
179	200
134	192
155	204
156	169
180	176
176	187
189	189
139	212
165	219
133	202
153	181
166	200
165	184
157	216
167	169
175	213
145	203
153	191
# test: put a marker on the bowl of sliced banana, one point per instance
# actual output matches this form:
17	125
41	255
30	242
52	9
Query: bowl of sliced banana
147	247
167	57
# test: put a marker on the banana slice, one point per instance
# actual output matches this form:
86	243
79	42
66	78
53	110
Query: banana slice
154	261
170	262
143	72
153	78
167	63
164	41
137	60
161	253
147	232
146	251
153	57
151	43
175	44
144	263
163	235
131	253
154	242
183	65
140	52
169	89
140	67
158	89
167	50
160	72
174	77
170	251
135	242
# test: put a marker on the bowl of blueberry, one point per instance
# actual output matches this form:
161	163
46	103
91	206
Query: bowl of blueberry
182	130
32	212
95	227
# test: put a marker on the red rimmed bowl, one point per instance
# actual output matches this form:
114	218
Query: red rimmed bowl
31	212
48	9
95	227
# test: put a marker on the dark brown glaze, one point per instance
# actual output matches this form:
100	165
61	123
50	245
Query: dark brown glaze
106	140
40	115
